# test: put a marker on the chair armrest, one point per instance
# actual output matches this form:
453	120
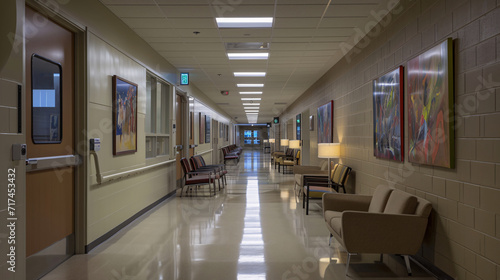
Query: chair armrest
366	232
301	169
342	202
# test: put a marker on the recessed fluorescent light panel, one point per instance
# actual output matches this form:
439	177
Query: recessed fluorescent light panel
244	22
251	108
251	104
250	92
251	111
250	85
247	56
247	46
251	98
249	74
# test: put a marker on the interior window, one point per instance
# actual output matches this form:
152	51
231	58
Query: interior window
46	111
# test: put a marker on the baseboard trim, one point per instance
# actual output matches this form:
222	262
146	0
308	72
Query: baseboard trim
113	231
431	268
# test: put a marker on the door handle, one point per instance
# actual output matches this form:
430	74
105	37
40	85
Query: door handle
31	161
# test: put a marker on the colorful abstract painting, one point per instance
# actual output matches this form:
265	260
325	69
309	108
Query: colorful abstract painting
124	116
325	123
430	107
298	127
387	117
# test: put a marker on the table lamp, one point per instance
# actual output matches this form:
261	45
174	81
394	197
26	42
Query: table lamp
329	151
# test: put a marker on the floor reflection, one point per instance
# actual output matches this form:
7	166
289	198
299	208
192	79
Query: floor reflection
254	229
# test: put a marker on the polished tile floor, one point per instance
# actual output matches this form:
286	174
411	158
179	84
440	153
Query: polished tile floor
254	229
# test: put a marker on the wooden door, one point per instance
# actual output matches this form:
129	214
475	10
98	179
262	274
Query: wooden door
50	177
180	123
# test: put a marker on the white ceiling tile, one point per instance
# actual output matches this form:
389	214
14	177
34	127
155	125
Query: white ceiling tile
243	10
300	11
342	22
350	10
156	32
245	32
147	23
296	22
302	48
136	11
183	11
190	23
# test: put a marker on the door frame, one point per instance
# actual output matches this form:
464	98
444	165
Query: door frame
80	114
184	121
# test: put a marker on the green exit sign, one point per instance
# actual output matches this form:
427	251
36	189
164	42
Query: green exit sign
276	120
298	120
184	79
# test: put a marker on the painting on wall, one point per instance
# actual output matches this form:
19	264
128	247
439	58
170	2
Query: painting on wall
325	123
201	123
298	126
207	129
430	107
124	116
387	115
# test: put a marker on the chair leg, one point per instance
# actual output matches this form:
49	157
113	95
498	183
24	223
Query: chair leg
408	267
347	263
330	240
303	200
307	202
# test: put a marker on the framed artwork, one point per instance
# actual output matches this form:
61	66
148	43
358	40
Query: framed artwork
431	138
298	126
387	116
325	123
226	127
207	129
201	122
124	116
311	123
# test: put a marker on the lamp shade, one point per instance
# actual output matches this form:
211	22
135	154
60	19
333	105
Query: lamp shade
329	150
294	144
272	140
284	142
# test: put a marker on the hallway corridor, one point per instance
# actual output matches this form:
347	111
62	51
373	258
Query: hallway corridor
253	229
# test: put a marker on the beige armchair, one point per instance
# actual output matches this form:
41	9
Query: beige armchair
389	222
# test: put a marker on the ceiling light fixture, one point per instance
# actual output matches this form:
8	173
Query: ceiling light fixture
251	104
251	111
249	74
251	108
247	56
250	92
251	98
244	22
250	85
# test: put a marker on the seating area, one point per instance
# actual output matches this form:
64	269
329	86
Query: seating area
395	220
231	152
316	186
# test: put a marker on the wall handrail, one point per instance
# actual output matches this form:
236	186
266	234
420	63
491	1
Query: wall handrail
103	179
204	152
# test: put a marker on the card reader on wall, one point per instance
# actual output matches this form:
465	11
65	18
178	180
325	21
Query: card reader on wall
95	144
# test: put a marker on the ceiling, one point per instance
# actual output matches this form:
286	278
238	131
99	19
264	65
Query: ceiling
304	42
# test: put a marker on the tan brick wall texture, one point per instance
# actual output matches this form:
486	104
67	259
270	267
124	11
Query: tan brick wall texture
463	238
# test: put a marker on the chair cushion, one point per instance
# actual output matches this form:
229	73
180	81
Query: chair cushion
334	219
318	191
379	199
401	203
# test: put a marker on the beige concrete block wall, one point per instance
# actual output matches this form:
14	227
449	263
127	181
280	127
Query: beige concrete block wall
110	204
463	237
